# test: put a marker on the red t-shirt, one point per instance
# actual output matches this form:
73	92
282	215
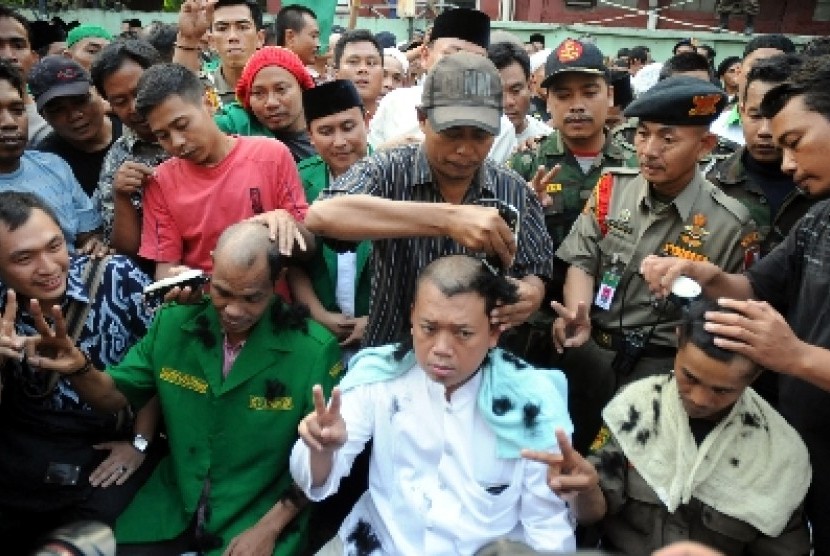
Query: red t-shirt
187	207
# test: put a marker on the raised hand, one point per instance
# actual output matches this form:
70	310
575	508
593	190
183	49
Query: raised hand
52	349
569	474
11	345
324	429
539	183
195	17
571	328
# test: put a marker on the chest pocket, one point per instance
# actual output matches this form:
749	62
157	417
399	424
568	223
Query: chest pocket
616	249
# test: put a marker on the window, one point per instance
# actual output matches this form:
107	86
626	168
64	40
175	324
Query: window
822	12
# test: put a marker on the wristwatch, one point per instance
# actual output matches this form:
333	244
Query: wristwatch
140	443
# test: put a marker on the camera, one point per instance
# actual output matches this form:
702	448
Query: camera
84	538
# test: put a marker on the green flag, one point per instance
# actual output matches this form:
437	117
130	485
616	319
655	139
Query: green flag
325	16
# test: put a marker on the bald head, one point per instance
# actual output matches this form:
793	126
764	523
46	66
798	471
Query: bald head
243	244
457	274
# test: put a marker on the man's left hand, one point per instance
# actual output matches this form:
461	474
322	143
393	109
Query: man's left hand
119	466
256	541
283	229
356	335
530	299
757	331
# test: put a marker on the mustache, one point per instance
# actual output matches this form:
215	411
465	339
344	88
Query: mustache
578	118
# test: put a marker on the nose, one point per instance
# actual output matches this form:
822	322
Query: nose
233	310
177	141
443	344
8	53
765	130
339	138
650	146
788	165
46	265
701	397
7	120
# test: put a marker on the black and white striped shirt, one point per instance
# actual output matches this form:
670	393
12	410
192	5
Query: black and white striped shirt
403	174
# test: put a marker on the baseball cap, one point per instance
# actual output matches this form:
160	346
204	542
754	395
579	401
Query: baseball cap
574	56
57	76
463	89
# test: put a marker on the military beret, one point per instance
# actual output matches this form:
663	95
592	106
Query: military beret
679	100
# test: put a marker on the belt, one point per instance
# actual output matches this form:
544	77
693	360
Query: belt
614	341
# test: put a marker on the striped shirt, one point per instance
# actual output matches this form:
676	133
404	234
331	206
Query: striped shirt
403	174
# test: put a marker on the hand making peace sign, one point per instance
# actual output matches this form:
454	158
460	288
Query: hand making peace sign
324	429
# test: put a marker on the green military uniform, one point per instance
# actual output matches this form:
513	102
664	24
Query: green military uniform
623	137
571	189
572	185
621	224
235	432
322	269
731	176
219	92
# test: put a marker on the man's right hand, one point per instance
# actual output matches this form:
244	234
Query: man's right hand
483	229
572	328
324	429
11	345
539	183
195	17
131	177
185	295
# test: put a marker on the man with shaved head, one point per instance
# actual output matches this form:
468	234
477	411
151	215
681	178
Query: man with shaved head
233	375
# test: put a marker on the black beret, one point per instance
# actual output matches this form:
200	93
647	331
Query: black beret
329	98
462	23
679	100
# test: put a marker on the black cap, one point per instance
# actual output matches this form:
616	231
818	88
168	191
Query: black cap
330	98
682	42
386	39
537	37
57	76
679	100
573	56
462	23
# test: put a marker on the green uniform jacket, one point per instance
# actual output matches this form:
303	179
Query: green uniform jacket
731	176
238	432
234	119
572	186
322	269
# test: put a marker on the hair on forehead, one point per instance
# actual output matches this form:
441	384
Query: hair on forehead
810	80
459	274
244	243
162	81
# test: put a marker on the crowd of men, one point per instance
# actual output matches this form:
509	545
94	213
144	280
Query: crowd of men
456	290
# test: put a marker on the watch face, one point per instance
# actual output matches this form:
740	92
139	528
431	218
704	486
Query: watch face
140	443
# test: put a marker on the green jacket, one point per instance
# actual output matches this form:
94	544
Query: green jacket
731	176
322	269
572	186
238	432
234	119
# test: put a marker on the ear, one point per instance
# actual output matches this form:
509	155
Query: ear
707	143
260	38
289	38
610	96
495	334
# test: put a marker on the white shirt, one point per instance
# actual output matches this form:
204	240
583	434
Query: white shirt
396	116
534	128
732	131
432	464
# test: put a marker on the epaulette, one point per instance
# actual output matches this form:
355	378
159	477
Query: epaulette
732	205
622	170
552	145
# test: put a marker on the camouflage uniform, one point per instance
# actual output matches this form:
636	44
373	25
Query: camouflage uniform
621	224
218	91
748	7
731	176
571	189
623	137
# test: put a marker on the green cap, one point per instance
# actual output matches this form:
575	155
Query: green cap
86	31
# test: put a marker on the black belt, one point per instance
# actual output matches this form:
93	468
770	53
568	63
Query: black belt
614	341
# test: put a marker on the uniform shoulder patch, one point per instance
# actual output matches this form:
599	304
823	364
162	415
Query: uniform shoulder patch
602	438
